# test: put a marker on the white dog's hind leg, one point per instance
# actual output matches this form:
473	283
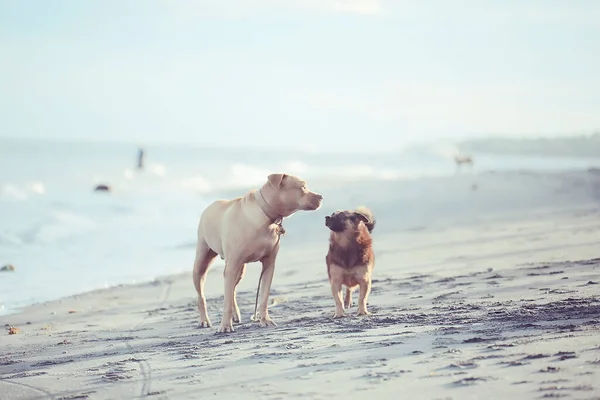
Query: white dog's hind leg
268	265
237	317
204	257
231	273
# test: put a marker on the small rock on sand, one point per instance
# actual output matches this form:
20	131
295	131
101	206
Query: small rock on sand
102	188
7	268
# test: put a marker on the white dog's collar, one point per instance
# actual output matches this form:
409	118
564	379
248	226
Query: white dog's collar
267	209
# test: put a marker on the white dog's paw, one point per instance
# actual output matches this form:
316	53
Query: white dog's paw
237	316
225	327
205	323
265	322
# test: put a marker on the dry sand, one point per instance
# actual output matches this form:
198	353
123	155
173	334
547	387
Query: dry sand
505	308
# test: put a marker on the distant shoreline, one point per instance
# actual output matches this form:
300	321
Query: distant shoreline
570	146
553	146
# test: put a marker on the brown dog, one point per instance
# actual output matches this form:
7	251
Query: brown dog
350	260
244	230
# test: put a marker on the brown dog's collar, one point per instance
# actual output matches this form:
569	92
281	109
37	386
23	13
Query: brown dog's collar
267	209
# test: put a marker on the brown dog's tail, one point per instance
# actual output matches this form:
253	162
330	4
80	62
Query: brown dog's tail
367	216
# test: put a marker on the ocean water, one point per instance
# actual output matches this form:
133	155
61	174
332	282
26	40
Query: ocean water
65	239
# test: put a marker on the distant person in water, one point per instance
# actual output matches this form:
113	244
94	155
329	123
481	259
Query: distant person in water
140	163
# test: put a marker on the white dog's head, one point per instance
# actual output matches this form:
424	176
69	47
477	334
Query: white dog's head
287	194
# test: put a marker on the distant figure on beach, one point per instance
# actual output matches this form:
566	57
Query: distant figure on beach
7	268
463	159
140	163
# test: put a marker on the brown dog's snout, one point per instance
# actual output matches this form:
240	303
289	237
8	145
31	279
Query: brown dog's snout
335	222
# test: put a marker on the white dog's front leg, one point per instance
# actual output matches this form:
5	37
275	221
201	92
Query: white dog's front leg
230	274
268	265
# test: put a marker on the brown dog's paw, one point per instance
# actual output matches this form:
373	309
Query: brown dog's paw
339	314
363	313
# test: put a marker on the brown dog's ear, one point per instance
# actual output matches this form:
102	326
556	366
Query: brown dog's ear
365	215
276	180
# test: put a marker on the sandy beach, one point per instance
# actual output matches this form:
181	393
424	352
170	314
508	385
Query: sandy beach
471	131
501	305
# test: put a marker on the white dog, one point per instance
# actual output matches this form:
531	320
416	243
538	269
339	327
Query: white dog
243	230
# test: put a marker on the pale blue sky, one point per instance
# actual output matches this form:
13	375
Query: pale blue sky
362	73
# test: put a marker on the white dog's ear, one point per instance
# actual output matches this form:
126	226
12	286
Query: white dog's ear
276	180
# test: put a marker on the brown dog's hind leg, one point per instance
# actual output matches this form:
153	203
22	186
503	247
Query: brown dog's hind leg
348	299
204	257
237	317
365	289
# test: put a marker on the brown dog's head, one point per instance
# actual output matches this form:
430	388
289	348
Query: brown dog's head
287	194
349	220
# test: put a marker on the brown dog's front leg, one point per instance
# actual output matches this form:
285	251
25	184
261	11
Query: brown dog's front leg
365	289
268	264
336	291
231	273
